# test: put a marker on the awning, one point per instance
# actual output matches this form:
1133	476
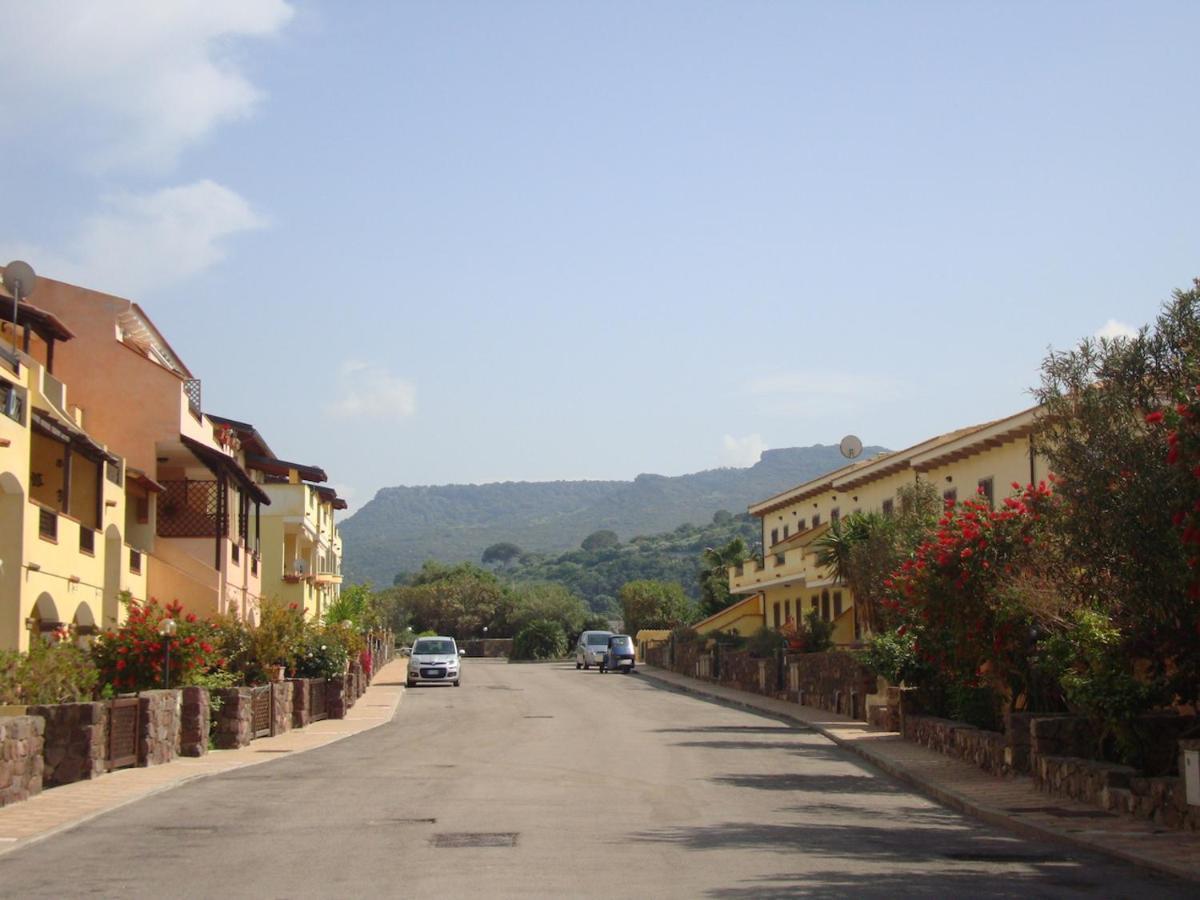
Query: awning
281	468
140	478
220	464
329	495
52	426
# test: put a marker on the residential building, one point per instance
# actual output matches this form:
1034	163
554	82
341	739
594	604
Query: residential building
982	459
192	509
301	545
66	552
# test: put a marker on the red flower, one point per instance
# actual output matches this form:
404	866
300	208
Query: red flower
206	647
120	665
1154	418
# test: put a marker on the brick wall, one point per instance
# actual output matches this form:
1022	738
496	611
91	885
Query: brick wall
75	741
21	762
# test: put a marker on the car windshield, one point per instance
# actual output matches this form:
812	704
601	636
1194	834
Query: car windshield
623	644
433	647
598	639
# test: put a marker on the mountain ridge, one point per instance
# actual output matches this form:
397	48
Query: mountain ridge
402	526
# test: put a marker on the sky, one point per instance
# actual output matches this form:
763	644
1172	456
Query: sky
443	241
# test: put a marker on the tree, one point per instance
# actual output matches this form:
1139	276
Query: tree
456	600
504	553
600	540
714	574
548	602
654	604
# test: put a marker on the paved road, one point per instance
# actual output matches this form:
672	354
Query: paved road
540	781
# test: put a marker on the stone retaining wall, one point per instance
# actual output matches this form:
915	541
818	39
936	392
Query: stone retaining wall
489	648
985	749
21	762
301	701
235	720
337	697
195	721
158	729
76	741
281	707
833	681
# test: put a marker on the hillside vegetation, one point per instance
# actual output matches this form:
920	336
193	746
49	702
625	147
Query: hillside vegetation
402	527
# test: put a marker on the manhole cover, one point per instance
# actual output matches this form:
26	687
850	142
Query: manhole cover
476	839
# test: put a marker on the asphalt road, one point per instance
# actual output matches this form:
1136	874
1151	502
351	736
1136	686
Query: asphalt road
541	781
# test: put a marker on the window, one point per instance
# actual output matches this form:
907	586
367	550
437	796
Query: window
987	489
951	496
776	615
87	540
135	561
802	525
112	471
785	532
774	536
12	401
779	558
825	605
837	603
787	609
889	507
835	514
816	519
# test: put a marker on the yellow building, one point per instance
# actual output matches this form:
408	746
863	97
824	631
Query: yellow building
301	545
64	550
982	459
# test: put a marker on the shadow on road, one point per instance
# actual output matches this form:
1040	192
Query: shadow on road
733	729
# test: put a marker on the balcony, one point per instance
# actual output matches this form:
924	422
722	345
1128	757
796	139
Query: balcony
784	567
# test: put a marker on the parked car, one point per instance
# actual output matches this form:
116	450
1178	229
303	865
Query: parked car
590	649
620	656
434	659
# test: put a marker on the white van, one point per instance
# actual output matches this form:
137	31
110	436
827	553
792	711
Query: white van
590	649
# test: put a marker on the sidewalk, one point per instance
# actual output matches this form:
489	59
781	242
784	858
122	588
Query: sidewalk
57	809
1012	803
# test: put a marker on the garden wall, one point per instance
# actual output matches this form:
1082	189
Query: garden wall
21	762
75	741
490	648
195	719
158	730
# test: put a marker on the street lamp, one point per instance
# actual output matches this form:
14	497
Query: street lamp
166	630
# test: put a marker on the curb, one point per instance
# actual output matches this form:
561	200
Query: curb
943	795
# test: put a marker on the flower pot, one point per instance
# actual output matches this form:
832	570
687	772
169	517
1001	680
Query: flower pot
276	673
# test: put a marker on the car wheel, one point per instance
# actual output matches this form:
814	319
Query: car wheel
578	666
456	682
409	683
587	666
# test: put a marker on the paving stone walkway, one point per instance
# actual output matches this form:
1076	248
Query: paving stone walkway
1012	803
56	809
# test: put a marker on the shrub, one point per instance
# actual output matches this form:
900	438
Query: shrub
816	634
764	643
540	639
131	656
893	655
55	672
323	654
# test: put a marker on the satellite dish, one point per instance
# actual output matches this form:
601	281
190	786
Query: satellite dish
850	446
19	278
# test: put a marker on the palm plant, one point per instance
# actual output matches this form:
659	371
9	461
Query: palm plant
714	576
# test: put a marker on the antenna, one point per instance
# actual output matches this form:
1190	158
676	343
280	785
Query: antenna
20	281
850	446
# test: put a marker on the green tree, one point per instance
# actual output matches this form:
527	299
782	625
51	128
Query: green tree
503	552
714	575
600	540
654	604
548	602
456	600
539	639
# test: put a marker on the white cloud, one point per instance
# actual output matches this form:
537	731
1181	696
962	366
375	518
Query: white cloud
815	394
134	82
139	242
1113	329
371	391
742	451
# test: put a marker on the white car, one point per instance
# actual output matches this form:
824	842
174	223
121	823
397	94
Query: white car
434	659
590	649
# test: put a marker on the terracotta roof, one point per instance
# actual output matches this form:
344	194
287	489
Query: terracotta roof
252	442
329	495
281	467
137	476
44	324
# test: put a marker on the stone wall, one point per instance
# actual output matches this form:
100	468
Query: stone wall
337	697
158	728
195	721
76	741
833	681
235	719
985	749
281	707
21	762
301	701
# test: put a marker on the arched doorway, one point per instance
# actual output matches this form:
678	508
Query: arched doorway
85	625
43	618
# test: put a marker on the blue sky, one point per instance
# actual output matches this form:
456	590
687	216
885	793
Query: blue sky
527	241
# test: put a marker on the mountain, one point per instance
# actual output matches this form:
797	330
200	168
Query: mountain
401	527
